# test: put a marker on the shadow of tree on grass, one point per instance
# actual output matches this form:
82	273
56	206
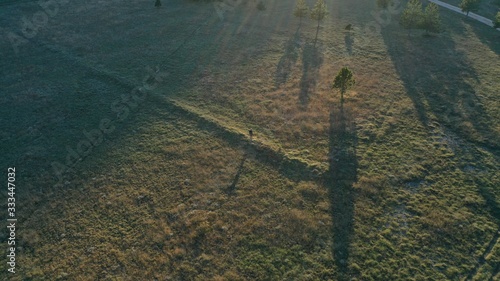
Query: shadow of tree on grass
339	179
288	59
311	62
441	83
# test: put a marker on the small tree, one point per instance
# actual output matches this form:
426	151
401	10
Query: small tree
157	4
343	81
431	21
468	6
496	22
301	10
318	13
412	15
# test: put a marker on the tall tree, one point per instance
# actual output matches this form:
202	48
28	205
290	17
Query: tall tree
412	15
496	21
301	10
318	13
344	81
431	21
468	6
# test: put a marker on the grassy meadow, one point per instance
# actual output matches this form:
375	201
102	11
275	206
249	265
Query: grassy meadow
401	182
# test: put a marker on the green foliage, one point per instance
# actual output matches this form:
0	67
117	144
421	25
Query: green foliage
470	6
157	3
301	9
496	21
319	11
412	15
344	81
431	21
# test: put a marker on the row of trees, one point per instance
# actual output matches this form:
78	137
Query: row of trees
414	17
318	12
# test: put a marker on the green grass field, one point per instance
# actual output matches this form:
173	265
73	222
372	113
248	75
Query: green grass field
401	182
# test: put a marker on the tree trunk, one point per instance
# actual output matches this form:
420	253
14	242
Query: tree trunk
316	38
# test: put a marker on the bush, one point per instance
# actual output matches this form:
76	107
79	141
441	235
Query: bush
496	21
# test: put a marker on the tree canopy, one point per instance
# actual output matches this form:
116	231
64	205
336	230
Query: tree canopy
301	9
319	11
343	81
412	15
431	21
470	6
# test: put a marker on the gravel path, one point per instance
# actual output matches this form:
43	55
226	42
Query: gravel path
458	10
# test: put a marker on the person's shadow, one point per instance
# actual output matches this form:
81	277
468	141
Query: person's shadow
232	188
349	41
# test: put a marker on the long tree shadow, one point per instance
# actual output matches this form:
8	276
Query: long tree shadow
488	35
311	62
288	59
339	179
441	83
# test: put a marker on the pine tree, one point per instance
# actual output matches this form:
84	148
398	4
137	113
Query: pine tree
157	4
468	6
412	15
431	21
301	10
344	81
318	13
